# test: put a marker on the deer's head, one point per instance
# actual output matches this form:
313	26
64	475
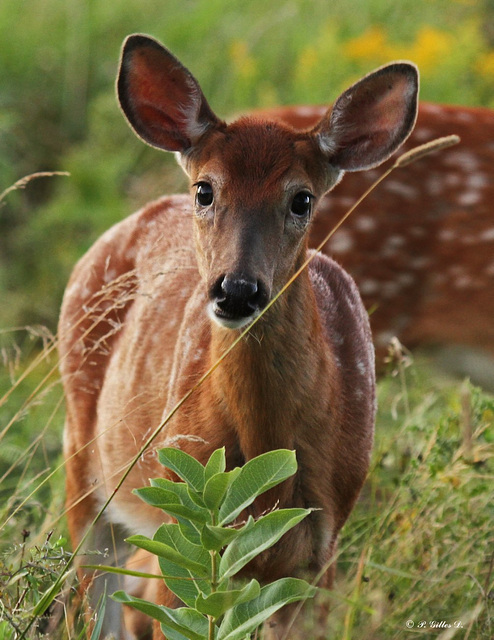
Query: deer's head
256	184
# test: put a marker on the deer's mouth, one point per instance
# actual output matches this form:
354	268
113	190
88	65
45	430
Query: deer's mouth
228	320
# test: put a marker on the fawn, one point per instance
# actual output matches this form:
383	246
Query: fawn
161	295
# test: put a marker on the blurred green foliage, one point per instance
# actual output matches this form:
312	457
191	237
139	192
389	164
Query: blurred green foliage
58	60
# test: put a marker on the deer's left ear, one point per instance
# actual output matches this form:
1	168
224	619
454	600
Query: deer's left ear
371	119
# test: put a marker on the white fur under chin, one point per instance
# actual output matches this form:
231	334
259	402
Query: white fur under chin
225	322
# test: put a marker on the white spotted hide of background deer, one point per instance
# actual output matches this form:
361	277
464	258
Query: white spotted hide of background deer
421	246
162	295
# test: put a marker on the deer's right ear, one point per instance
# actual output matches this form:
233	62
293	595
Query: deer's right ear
371	119
161	99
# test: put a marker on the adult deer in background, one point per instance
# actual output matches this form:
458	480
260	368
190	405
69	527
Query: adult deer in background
164	293
421	246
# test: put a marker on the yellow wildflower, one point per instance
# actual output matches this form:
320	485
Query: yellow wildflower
244	62
485	65
430	47
371	45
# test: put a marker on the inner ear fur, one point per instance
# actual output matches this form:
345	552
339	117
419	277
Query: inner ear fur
371	119
160	98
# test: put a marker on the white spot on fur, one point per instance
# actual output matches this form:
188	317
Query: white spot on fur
338	339
463	282
401	189
464	116
434	108
361	368
346	202
423	133
131	253
447	235
110	275
72	290
487	236
342	242
368	286
309	112
466	160
469	198
364	223
477	180
198	355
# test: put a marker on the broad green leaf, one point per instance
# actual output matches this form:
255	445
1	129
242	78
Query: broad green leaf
179	579
265	532
255	477
184	465
215	464
246	617
181	489
175	503
179	624
172	504
201	516
186	496
196	498
189	620
173	555
215	538
216	488
190	530
156	496
218	603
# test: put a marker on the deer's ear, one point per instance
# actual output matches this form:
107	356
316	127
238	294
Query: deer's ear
161	99
371	119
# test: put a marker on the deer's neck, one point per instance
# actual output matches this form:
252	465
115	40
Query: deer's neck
267	384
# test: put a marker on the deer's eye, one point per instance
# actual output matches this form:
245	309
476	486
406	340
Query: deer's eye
301	206
204	194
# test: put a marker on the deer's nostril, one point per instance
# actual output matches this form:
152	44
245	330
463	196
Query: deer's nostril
237	297
239	288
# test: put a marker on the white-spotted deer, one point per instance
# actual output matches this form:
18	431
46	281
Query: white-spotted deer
164	293
421	246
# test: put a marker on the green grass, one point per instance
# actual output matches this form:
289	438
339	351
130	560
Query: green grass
418	546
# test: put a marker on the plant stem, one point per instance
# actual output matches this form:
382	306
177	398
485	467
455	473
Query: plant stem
214	581
214	586
211	628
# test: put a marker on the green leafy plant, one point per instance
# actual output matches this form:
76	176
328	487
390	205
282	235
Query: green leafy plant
206	548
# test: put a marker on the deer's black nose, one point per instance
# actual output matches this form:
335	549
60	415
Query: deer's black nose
238	298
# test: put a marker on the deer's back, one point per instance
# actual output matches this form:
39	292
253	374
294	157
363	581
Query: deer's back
125	293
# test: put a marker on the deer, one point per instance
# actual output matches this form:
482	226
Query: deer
164	293
421	247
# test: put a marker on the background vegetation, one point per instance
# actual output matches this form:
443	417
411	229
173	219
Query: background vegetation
420	544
